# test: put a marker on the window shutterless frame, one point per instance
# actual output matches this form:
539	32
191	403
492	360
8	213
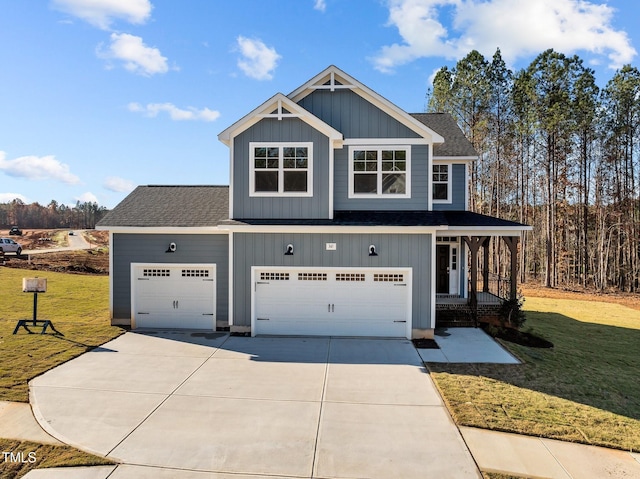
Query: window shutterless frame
441	181
380	171
281	169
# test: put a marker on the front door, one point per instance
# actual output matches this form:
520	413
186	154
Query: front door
442	268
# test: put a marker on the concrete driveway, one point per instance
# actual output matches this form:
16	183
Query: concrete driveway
282	407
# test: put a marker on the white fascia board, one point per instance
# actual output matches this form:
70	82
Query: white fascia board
386	141
487	230
335	229
454	159
280	101
165	229
369	95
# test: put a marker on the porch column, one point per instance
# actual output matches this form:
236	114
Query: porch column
485	265
512	243
474	243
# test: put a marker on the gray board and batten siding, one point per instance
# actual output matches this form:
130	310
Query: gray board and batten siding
286	130
352	251
151	248
353	116
458	190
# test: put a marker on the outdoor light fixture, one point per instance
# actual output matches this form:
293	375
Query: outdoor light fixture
372	250
172	248
289	251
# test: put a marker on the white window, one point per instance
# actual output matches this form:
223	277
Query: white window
281	169
441	181
380	172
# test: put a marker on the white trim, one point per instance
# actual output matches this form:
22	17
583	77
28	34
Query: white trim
368	94
316	229
231	150
386	141
430	179
433	282
264	111
379	173
174	230
230	285
408	271
449	199
111	274
331	180
455	159
487	230
281	169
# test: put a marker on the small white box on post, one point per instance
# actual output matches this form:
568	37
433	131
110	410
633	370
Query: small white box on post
34	285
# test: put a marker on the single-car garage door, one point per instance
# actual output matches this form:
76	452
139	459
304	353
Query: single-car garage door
332	301
173	296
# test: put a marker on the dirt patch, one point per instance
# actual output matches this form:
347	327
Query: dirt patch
631	300
95	261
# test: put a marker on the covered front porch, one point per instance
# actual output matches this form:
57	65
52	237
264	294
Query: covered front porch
481	291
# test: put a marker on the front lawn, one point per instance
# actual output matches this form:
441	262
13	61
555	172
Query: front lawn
78	307
585	389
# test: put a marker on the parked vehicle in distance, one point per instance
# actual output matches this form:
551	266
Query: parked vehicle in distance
15	231
7	245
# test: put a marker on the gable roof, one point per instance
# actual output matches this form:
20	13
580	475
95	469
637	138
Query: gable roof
456	143
279	107
333	78
170	206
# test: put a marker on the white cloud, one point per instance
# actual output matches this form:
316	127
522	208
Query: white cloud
9	197
87	197
38	168
320	5
119	185
101	13
258	60
518	28
175	113
136	56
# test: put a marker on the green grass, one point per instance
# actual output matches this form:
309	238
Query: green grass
42	456
78	307
586	389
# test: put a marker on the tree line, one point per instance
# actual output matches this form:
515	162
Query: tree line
54	215
558	153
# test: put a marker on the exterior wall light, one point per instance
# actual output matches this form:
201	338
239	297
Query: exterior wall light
172	248
289	251
372	250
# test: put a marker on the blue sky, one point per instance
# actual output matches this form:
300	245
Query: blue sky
98	96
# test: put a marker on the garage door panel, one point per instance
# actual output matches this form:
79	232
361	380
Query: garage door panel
174	296
336	302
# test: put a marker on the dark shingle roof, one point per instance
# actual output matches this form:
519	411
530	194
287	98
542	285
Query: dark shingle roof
391	218
455	143
171	206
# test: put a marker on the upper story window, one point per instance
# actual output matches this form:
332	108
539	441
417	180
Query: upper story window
441	181
281	169
379	172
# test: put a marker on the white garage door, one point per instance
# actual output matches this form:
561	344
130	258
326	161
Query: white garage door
173	296
332	302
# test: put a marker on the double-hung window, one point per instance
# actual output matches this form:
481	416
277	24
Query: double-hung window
441	181
281	169
380	172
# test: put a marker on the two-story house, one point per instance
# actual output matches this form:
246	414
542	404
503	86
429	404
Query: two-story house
345	216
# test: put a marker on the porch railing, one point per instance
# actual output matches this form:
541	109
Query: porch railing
498	286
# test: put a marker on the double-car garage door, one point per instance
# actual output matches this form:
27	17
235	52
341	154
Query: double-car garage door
332	301
173	296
